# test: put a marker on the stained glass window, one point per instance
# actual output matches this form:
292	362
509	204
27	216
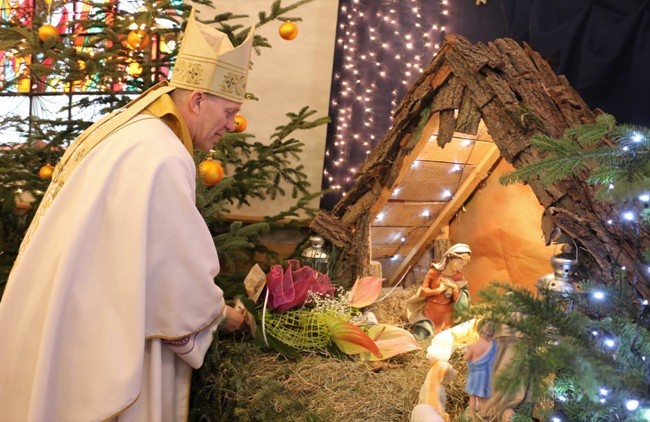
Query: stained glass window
110	47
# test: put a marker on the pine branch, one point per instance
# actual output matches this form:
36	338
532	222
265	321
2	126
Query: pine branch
575	354
609	154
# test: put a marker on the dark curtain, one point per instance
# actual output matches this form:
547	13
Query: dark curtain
601	46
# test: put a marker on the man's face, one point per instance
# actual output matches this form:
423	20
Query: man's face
216	117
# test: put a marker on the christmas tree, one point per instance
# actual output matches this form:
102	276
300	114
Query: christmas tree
582	348
74	62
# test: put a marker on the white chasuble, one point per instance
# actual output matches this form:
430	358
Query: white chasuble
113	300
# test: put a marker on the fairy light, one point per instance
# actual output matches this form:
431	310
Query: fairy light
598	295
632	405
629	216
382	47
465	143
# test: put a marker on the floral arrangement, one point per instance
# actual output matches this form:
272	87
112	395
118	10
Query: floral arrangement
296	309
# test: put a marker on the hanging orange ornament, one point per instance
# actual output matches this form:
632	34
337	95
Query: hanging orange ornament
46	171
138	39
288	30
240	123
46	32
211	172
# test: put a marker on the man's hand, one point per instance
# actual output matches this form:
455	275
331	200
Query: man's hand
234	320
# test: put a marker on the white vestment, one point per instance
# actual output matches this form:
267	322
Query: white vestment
121	263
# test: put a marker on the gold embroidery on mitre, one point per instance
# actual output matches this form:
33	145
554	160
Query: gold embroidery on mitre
234	83
188	72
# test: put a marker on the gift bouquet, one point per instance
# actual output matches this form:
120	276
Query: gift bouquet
296	309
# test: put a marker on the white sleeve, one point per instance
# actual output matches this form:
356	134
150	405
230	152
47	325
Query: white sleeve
192	349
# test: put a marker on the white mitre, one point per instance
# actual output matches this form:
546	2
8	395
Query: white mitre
207	61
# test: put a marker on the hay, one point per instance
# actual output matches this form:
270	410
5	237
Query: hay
241	382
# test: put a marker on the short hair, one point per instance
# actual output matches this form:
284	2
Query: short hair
485	327
179	94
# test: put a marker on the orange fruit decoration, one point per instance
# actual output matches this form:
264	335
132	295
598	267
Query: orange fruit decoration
211	172
46	32
288	30
240	123
138	39
46	171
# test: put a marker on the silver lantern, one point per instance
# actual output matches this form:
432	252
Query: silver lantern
314	255
562	285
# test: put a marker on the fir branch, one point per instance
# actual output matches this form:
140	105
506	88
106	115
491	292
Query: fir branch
571	352
609	154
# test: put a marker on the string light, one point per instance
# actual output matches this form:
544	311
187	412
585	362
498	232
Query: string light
629	216
381	60
598	295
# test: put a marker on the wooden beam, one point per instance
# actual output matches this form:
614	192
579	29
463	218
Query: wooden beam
443	219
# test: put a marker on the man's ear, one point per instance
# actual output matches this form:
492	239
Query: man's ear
194	101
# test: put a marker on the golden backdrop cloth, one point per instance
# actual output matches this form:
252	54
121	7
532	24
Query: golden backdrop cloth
502	225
